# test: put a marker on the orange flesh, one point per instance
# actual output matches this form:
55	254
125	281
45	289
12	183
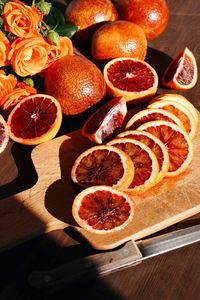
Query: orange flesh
128	75
149	117
175	143
33	118
142	162
179	114
100	167
2	134
186	75
104	210
151	144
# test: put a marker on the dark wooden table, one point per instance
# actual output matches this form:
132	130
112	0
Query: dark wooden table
175	275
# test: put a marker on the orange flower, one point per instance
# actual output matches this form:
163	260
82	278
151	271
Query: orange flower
7	84
4	50
15	96
29	56
20	19
57	51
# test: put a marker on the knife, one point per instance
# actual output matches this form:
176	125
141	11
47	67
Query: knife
108	261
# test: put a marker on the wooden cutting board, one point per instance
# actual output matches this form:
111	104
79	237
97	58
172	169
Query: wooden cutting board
47	205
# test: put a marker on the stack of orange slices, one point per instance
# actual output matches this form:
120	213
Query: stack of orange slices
158	143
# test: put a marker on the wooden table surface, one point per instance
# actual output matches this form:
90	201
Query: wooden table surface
175	275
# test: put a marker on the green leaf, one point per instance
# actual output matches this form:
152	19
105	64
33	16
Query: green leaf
66	30
54	18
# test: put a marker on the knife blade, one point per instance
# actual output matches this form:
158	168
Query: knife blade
108	261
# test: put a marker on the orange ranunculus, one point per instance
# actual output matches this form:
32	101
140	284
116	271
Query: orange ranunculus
4	50
29	56
15	96
20	19
7	84
56	52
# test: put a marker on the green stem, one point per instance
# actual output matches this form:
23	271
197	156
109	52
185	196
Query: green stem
33	2
45	25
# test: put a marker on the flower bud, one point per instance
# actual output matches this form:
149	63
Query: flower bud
29	82
53	37
44	7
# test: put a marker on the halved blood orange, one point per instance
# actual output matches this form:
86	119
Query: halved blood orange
180	99
103	165
106	122
131	78
181	74
177	142
4	134
180	111
35	119
155	145
145	163
102	209
152	114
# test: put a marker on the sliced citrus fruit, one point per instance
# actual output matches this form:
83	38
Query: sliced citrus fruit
131	78
152	114
181	74
103	165
180	99
102	209
180	111
35	119
155	145
4	134
106	121
145	163
177	142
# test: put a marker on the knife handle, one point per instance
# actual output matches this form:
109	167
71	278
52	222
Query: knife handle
85	268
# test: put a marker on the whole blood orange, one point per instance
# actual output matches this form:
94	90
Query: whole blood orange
102	209
181	73
131	78
76	83
151	15
106	121
4	134
103	165
35	119
89	15
119	39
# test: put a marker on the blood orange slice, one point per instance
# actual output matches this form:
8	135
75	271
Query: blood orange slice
152	114
106	121
131	78
4	134
179	110
180	99
35	119
145	163
181	74
155	145
177	142
103	165
102	209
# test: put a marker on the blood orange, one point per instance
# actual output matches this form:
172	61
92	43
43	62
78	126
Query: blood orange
177	142
106	121
180	99
102	209
131	78
181	74
35	119
152	114
180	111
155	145
145	163
103	165
4	134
